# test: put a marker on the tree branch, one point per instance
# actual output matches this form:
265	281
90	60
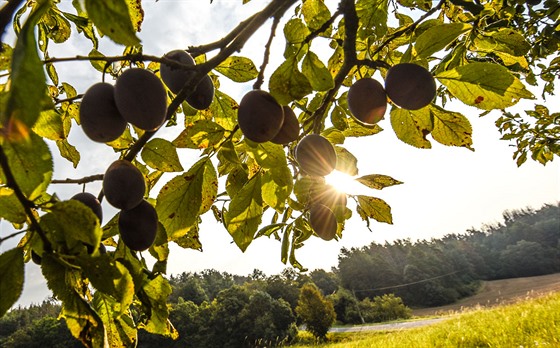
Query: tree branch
81	181
15	234
6	15
323	27
27	204
260	78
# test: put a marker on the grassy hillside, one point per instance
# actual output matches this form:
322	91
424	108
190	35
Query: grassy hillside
530	323
499	292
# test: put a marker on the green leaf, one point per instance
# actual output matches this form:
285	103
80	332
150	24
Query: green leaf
161	154
28	88
296	31
373	17
82	321
31	163
71	223
346	162
377	181
68	151
223	111
136	13
120	329
277	186
268	155
438	37
412	127
184	198
451	128
10	207
245	213
287	83
354	129
189	240
157	291
376	208
316	72
201	134
110	277
504	40
6	57
238	69
49	125
11	278
112	18
315	13
486	86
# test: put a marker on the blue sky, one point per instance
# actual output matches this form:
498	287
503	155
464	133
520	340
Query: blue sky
446	190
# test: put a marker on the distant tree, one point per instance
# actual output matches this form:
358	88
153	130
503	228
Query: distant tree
327	282
384	308
346	307
528	259
315	311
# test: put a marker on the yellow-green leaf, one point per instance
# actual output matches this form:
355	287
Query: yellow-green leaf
68	151
162	155
136	13
201	134
11	278
112	18
120	329
157	290
451	128
486	86
184	198
31	163
287	83
412	127
438	37
315	13
238	69
28	88
376	208
245	213
316	72
49	125
10	207
377	181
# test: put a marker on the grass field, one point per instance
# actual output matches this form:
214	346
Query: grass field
525	316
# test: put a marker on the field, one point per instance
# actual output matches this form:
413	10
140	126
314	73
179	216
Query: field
525	313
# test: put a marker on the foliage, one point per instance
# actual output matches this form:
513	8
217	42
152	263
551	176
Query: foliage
316	312
384	308
483	54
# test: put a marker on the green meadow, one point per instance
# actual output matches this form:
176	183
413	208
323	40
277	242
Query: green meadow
530	323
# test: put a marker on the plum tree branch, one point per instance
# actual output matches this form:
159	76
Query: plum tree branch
81	181
15	234
27	204
260	77
6	15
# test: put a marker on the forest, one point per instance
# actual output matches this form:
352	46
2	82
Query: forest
374	283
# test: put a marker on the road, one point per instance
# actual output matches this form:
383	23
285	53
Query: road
392	326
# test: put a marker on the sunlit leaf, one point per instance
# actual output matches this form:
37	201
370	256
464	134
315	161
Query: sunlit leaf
245	213
49	125
120	329
412	127
277	186
377	181
11	278
346	162
295	31
157	290
28	87
486	86
201	134
287	83
162	155
223	111
376	208
31	163
438	38
451	128
238	69
112	18
184	198
316	72
68	151
373	17
136	13
10	207
315	13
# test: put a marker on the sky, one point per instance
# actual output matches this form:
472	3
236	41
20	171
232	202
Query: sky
446	189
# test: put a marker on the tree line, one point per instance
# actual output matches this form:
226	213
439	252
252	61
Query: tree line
371	284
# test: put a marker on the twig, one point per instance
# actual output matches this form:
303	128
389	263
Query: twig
260	78
323	27
84	180
15	234
60	101
27	204
6	15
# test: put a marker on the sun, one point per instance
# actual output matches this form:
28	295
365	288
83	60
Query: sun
344	183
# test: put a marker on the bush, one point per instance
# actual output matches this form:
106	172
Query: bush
384	308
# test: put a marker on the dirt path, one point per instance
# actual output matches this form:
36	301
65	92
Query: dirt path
391	326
